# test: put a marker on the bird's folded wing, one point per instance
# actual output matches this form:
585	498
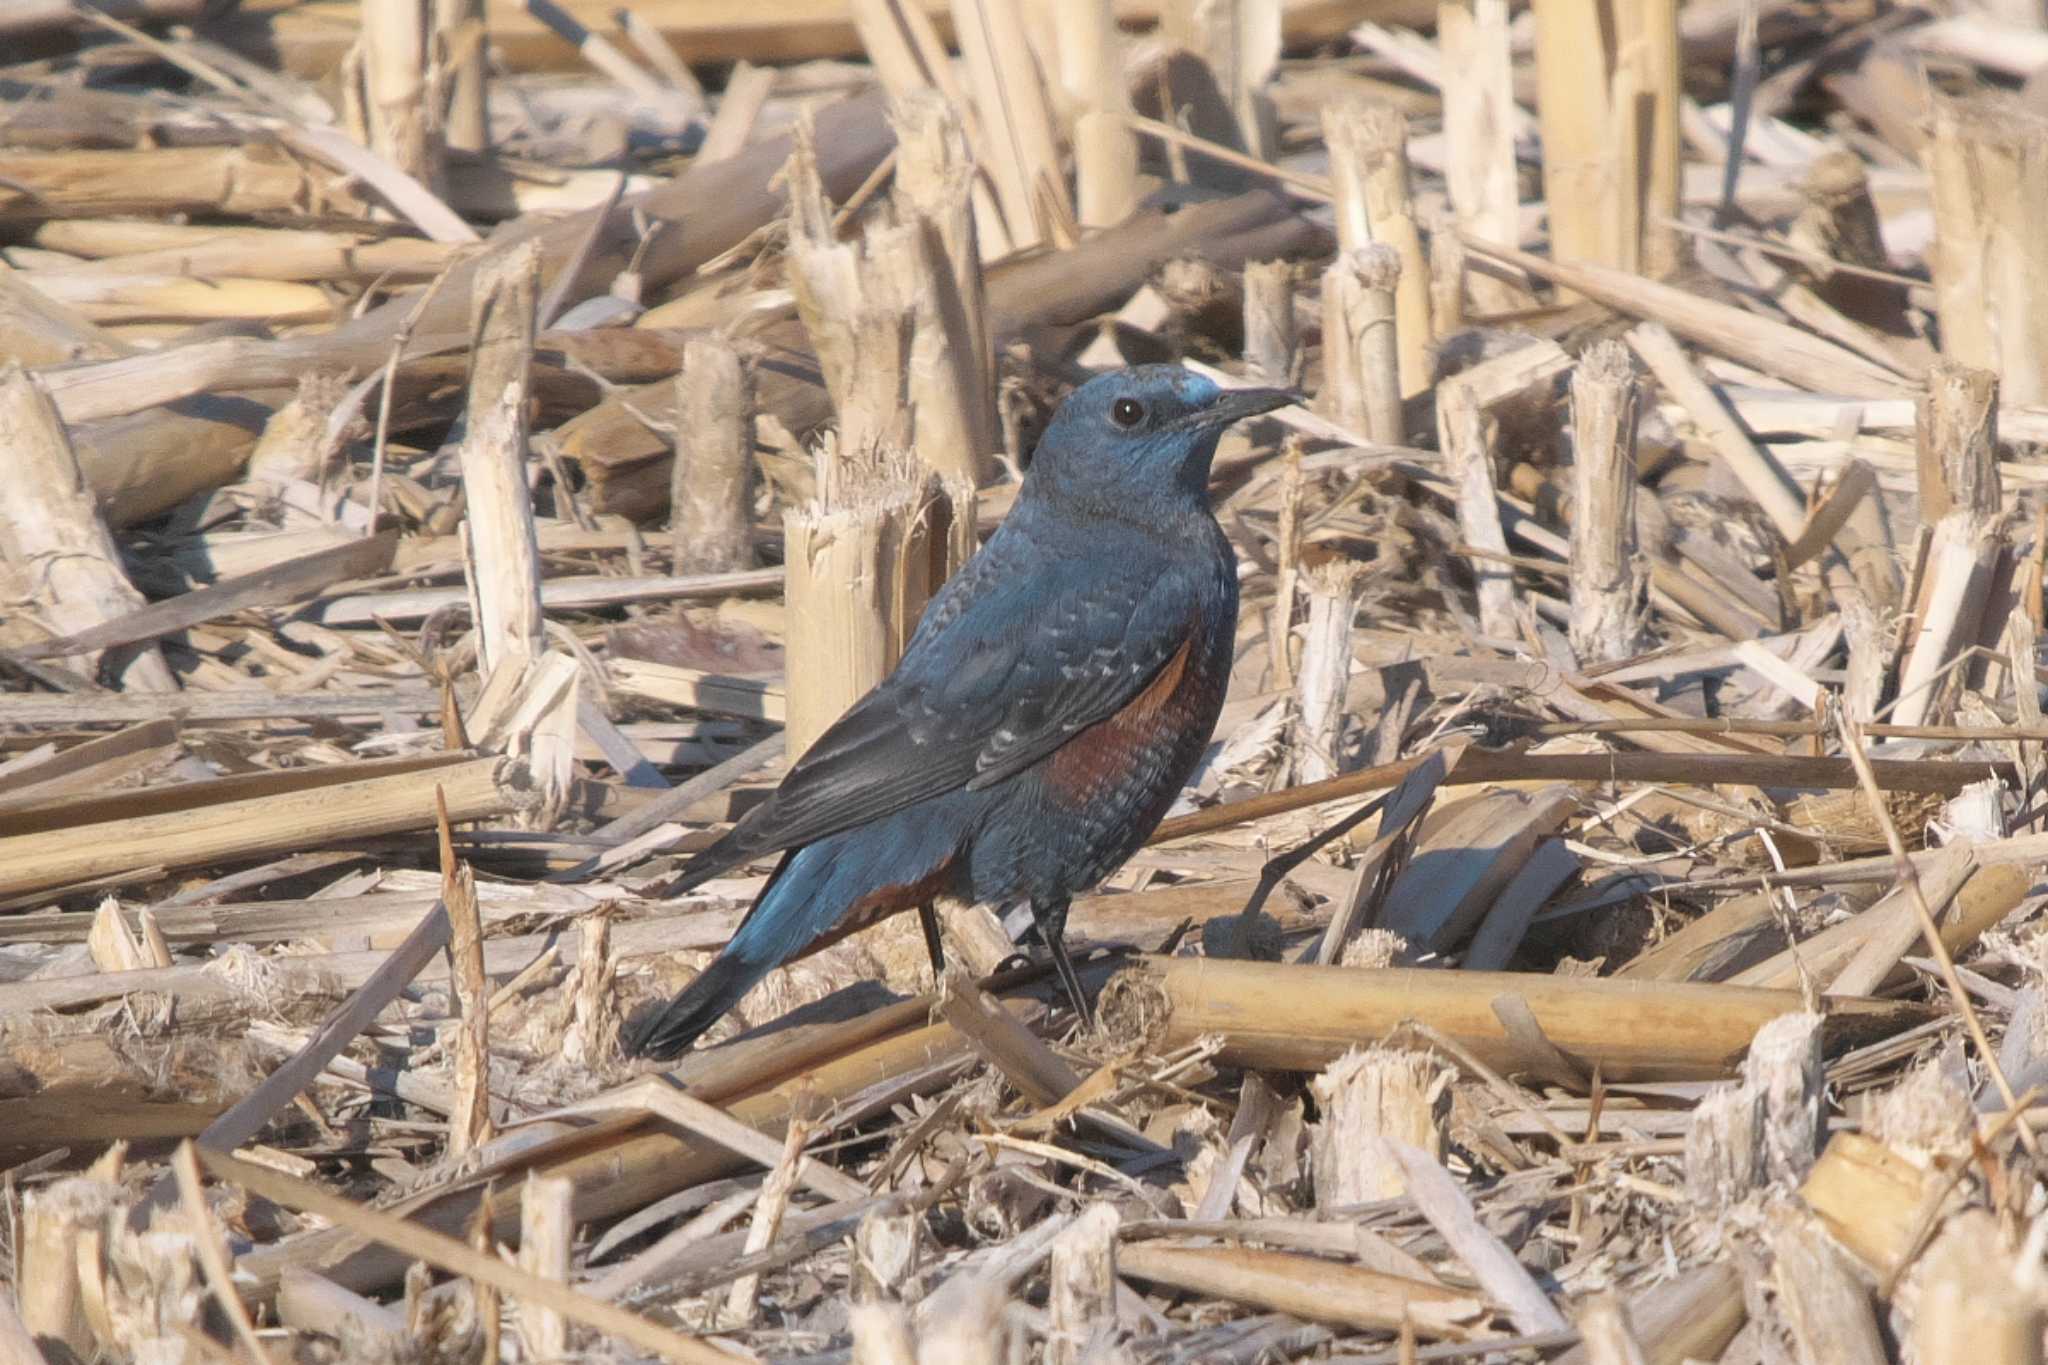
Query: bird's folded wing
1000	675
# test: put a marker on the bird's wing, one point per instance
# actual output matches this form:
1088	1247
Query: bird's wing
1014	658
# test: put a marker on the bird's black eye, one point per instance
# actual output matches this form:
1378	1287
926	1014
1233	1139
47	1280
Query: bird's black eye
1127	412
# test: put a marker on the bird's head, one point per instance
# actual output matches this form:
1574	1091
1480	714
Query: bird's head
1142	434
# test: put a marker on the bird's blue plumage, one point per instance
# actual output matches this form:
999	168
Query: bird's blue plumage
1057	693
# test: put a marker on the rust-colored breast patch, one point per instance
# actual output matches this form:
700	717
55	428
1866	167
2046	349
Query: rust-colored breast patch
884	901
1115	749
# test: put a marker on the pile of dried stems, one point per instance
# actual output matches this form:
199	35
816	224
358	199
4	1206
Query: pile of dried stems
453	460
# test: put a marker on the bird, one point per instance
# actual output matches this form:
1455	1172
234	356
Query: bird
1057	694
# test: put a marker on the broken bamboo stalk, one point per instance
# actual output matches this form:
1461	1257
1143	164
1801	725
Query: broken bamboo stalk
1321	1291
1480	173
1082	1284
1610	582
1105	145
1270	338
1324	675
1292	1017
53	539
1373	1093
711	490
1361	342
1974	1306
1369	174
284	822
501	553
859	572
951	384
401	117
1988	165
1960	497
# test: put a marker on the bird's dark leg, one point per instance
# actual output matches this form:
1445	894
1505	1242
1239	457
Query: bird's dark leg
1050	918
929	918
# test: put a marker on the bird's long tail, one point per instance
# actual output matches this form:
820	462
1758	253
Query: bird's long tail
773	932
818	894
700	1005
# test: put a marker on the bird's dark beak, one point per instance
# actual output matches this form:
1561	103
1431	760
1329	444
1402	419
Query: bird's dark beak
1237	404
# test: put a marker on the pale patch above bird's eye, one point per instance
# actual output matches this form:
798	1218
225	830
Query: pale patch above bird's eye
1127	412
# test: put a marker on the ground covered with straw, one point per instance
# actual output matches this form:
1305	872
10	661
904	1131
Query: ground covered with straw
457	455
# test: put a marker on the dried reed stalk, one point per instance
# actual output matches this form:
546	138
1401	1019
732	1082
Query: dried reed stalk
1988	166
859	566
1002	71
711	483
1082	1284
501	550
281	822
1607	95
1361	342
459	60
62	556
952	366
1479	125
1792	353
1760	476
1321	1291
1294	1017
396	105
1959	494
1270	338
1369	177
1320	683
1105	146
546	1236
1610	579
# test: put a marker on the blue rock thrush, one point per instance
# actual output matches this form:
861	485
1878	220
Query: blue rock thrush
1055	697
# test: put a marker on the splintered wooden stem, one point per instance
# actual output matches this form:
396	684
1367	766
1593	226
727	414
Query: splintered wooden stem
1609	577
711	497
502	552
1105	145
886	1248
1973	1308
1821	1299
1369	1094
951	375
1325	672
1270	336
1369	174
55	1220
1957	426
1956	431
1479	124
1989	176
1362	344
1081	1292
859	566
63	557
546	1235
470	1125
401	120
